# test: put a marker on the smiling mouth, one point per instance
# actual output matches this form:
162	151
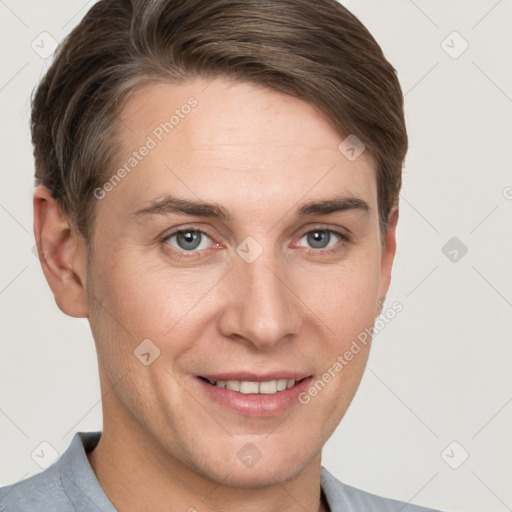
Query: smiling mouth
245	387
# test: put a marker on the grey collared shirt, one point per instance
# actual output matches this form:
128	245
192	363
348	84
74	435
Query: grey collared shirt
70	485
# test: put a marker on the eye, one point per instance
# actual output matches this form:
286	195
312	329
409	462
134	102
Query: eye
189	240
322	238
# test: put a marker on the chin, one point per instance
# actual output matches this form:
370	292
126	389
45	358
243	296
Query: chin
269	467
255	478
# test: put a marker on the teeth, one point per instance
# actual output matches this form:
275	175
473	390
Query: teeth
282	384
233	385
248	387
264	388
268	388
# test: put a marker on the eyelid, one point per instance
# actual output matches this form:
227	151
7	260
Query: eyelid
188	228
343	232
344	239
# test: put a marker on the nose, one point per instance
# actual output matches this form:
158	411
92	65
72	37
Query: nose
261	306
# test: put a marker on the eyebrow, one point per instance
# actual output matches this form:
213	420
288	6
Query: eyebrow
170	204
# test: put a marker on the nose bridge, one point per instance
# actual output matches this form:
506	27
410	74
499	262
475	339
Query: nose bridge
261	309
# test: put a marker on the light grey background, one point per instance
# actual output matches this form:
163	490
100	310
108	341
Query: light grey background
438	373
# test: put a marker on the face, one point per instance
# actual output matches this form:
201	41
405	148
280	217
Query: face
244	247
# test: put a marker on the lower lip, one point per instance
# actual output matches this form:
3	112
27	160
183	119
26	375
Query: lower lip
257	405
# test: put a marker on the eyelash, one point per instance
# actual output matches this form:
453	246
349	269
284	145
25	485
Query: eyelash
344	239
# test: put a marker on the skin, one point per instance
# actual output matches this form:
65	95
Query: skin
260	154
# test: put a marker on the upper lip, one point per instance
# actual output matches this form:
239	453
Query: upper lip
256	377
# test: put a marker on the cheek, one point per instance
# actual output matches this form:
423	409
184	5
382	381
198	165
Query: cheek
344	296
345	299
137	292
141	300
343	363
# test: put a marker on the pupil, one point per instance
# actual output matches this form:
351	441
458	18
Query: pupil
319	239
188	239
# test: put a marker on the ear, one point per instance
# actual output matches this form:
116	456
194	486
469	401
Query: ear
388	252
62	253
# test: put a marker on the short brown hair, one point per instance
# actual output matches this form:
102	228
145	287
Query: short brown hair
314	50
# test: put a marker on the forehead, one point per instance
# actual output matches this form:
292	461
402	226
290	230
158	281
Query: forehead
222	139
222	108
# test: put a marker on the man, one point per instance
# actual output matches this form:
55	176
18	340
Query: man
218	186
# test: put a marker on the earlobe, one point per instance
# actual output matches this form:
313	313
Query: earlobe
62	253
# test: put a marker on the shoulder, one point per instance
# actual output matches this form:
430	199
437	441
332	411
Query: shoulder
66	486
38	493
343	497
